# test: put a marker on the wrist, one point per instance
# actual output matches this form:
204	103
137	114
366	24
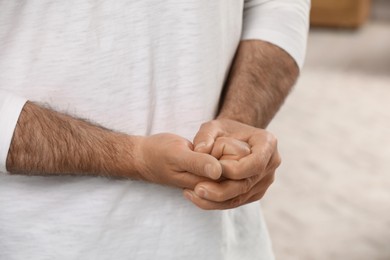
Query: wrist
126	159
247	119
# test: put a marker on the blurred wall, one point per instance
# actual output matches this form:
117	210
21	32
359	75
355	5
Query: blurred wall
381	10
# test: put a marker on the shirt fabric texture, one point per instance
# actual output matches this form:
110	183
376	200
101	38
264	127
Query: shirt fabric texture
139	67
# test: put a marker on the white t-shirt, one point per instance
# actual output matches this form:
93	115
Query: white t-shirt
140	67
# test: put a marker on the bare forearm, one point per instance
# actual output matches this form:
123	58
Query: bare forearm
47	142
260	78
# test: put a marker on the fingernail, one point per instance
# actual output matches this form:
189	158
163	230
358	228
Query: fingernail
212	171
201	192
199	146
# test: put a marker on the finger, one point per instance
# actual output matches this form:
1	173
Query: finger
255	194
226	148
202	203
225	190
210	205
229	189
275	161
199	164
263	154
187	180
204	139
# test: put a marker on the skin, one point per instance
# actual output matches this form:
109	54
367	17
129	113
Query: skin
47	142
261	77
227	148
63	145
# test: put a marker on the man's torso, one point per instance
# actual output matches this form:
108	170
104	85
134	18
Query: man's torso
140	67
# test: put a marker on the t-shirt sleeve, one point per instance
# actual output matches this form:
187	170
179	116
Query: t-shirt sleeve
284	23
10	108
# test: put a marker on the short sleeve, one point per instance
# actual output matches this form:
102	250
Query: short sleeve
284	23
10	109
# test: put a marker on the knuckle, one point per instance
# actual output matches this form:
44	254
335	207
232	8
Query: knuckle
218	126
257	197
236	202
270	142
278	160
190	166
261	194
272	139
271	179
204	125
209	124
247	185
213	123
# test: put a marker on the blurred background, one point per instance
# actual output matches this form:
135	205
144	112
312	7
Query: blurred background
331	197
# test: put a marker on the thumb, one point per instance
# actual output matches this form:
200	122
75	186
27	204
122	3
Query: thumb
200	164
206	136
226	148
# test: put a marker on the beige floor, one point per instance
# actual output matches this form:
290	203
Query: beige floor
331	199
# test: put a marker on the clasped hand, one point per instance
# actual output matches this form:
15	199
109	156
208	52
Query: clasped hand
228	165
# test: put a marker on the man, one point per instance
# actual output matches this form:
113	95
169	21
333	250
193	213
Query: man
152	72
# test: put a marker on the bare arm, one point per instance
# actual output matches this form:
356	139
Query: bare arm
47	142
260	79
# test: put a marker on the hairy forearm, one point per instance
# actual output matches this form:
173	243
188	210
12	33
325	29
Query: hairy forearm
47	142
261	77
